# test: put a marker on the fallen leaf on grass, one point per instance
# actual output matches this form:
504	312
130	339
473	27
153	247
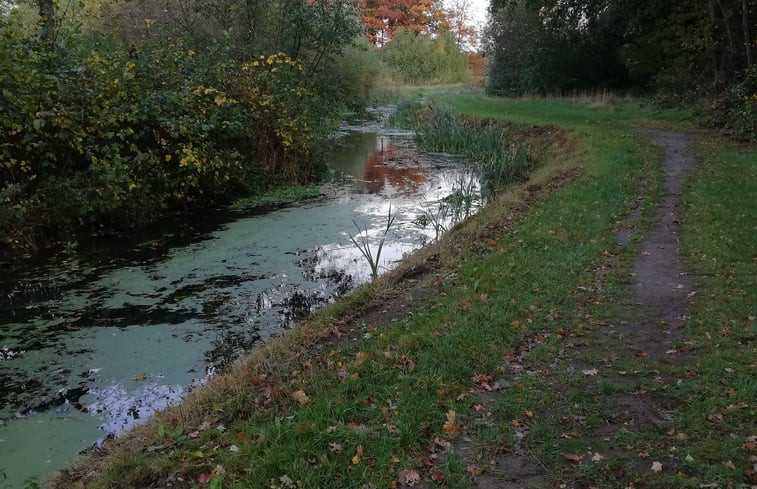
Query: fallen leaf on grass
358	454
590	372
730	465
597	457
286	481
301	397
473	470
409	478
335	447
751	442
449	426
656	467
641	354
572	457
716	417
437	476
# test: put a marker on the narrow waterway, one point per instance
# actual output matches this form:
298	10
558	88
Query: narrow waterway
94	341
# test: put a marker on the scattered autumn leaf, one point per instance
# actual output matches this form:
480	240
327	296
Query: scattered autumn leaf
335	447
473	470
656	467
449	426
437	475
301	397
286	481
641	354
409	478
716	417
590	372
139	377
572	457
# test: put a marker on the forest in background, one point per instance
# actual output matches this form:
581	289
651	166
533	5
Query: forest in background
691	53
115	113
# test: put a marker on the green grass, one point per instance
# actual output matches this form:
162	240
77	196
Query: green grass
571	115
324	411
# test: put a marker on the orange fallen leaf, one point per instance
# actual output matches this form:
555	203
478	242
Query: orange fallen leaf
449	426
572	457
437	475
641	354
139	377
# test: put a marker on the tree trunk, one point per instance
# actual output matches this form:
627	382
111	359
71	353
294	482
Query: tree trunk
716	49
747	37
47	18
729	34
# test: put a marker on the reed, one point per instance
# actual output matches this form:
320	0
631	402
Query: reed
498	160
362	243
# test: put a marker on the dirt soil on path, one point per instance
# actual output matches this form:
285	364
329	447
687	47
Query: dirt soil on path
644	331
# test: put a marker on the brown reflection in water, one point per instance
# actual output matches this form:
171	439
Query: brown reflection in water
382	168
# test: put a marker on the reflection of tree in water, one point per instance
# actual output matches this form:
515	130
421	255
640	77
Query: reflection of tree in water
382	167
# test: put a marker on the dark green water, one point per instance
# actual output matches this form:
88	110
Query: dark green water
93	343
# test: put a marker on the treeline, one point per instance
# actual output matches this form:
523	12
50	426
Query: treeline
114	113
690	52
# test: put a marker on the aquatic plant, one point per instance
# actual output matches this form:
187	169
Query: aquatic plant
365	248
497	159
434	217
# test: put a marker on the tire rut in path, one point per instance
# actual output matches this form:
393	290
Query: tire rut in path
648	325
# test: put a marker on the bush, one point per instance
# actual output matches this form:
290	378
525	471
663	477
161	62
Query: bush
98	134
426	59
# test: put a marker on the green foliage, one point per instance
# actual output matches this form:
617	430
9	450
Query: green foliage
355	77
736	109
426	59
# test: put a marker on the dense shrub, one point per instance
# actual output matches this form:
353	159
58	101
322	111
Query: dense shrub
102	134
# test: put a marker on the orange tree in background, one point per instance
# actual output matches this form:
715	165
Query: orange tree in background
383	17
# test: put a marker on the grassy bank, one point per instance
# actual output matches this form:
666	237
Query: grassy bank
386	388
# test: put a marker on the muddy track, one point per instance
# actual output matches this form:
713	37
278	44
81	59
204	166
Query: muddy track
645	330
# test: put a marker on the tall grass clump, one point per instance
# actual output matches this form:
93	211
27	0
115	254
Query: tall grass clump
498	160
405	116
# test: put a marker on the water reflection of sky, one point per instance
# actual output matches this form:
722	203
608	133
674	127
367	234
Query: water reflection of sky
89	348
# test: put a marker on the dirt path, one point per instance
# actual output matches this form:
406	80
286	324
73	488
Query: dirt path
644	333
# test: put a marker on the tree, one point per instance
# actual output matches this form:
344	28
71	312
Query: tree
383	17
